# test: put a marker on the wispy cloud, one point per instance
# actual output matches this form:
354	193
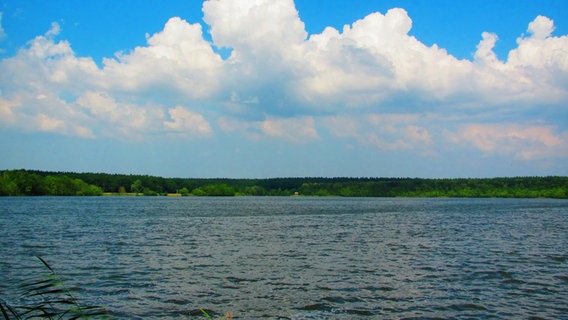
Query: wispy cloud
371	83
527	142
2	32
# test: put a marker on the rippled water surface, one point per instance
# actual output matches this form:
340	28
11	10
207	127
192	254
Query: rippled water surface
295	257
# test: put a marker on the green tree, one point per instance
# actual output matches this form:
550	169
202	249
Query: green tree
184	191
148	192
255	191
85	189
8	187
215	190
137	187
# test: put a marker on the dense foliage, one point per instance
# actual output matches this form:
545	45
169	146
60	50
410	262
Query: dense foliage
26	183
22	182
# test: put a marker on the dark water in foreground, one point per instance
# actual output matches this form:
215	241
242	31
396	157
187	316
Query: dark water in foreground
296	257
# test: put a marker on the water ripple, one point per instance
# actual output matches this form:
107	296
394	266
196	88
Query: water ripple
296	258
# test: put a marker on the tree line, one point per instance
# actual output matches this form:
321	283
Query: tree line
26	183
33	182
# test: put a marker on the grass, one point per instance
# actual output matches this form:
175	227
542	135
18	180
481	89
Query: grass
228	315
47	297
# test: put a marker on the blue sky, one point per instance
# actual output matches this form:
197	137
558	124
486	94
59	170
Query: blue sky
270	88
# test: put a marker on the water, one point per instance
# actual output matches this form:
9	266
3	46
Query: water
295	257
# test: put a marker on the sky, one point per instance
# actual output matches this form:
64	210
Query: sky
283	88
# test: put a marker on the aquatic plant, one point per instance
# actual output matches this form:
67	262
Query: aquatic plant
228	315
47	297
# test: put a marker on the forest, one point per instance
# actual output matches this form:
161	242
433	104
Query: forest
38	183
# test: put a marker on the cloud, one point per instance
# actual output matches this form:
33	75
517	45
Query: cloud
47	84
121	120
125	120
543	60
295	130
384	131
10	116
370	83
47	123
264	28
55	30
485	53
374	60
177	61
399	132
266	38
2	32
527	142
7	110
187	122
342	126
541	28
46	66
33	82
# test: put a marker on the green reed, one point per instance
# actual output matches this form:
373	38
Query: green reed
47	297
228	315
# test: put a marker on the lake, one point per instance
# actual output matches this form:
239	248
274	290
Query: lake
295	257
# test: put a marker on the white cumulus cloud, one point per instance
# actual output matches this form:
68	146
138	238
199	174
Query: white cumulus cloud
255	27
370	82
122	120
187	122
177	60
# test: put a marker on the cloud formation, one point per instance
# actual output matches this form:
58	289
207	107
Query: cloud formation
2	32
527	142
177	61
187	122
370	83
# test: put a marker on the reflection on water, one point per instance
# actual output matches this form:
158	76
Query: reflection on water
296	258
